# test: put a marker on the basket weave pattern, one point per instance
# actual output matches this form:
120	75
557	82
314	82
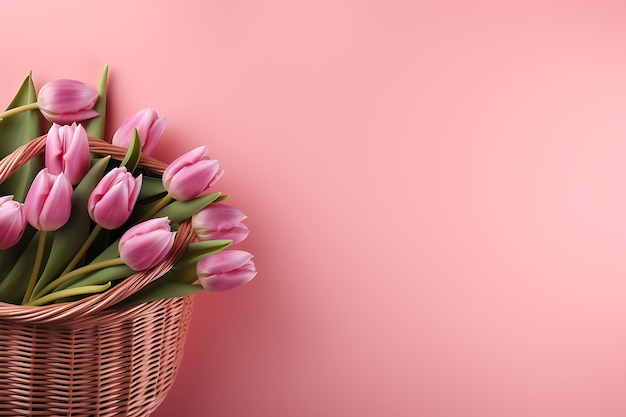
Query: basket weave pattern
114	363
83	358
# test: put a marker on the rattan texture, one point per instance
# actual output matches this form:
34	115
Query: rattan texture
84	358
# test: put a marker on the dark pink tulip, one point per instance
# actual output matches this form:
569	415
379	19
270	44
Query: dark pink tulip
191	175
67	151
12	221
225	270
146	244
66	101
149	126
220	221
48	204
113	200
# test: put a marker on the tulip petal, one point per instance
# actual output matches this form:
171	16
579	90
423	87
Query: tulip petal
189	158
193	180
155	133
217	217
147	250
149	127
12	222
67	151
57	207
227	280
54	150
225	261
48	203
237	234
112	201
65	101
66	96
219	221
146	244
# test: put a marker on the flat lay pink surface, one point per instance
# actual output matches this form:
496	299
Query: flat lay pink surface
435	191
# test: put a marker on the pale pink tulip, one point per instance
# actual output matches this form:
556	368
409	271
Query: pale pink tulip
67	151
66	101
146	244
149	127
225	270
12	221
219	221
113	200
48	204
191	175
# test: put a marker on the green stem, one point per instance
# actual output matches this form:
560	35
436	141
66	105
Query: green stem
88	289
19	109
35	273
158	206
76	273
83	249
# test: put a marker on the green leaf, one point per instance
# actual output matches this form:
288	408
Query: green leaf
67	240
181	273
95	126
8	257
111	252
131	159
199	250
151	189
159	292
178	211
101	276
184	268
13	286
222	198
16	131
69	293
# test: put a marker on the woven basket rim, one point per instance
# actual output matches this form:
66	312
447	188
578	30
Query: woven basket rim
95	303
103	315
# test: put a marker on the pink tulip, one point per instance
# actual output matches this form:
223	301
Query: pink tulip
67	151
146	244
113	200
67	101
225	270
12	221
219	221
191	175
149	126
48	204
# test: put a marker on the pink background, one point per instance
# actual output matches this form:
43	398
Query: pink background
436	193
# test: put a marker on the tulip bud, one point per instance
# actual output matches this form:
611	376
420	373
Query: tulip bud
146	244
66	101
67	151
12	221
149	126
225	270
113	200
191	174
219	221
48	204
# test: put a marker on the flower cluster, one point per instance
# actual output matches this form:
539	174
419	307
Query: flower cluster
80	221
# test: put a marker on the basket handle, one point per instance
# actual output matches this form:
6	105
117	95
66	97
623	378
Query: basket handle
87	306
20	156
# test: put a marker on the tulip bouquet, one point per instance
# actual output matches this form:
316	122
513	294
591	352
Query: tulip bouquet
84	216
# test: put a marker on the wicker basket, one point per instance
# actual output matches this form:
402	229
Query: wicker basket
84	358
